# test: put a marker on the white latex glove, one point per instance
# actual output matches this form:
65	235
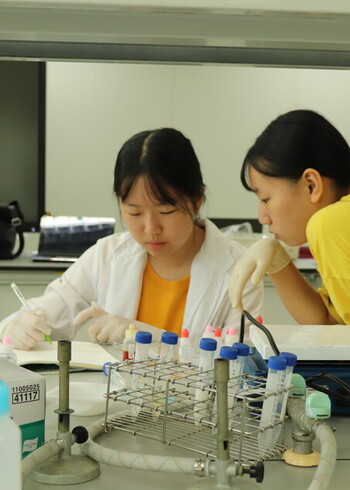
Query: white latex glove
106	327
27	329
266	256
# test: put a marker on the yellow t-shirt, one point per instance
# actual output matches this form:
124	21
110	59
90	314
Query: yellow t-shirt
328	235
162	302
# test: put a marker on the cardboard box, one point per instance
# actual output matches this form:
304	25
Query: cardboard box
27	404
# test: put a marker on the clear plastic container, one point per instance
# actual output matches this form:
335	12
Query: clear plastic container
243	353
207	348
143	341
272	406
6	350
10	444
185	350
117	380
129	343
168	343
208	332
219	339
230	337
231	353
291	363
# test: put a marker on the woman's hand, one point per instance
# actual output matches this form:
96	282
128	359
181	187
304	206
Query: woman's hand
266	256
106	327
27	329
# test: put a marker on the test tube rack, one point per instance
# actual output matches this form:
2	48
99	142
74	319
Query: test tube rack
173	415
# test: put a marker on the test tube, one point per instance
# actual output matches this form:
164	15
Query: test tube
271	411
291	362
208	332
185	346
231	353
129	343
230	337
117	382
168	343
206	355
207	348
218	338
243	353
142	344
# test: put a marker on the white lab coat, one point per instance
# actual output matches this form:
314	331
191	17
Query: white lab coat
111	271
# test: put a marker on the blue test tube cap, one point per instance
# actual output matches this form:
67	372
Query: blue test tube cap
290	358
170	338
143	337
105	367
4	398
243	349
227	352
208	344
277	363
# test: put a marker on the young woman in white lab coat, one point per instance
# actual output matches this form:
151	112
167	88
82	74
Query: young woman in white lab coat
170	270
299	168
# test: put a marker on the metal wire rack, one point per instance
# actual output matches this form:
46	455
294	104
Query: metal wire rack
175	404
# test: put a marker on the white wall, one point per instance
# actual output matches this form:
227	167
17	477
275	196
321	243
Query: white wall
92	108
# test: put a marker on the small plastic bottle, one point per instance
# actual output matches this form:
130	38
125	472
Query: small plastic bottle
168	344
6	350
219	339
207	348
230	337
169	341
243	353
291	362
142	341
185	346
10	444
117	380
230	353
208	332
129	343
142	345
272	406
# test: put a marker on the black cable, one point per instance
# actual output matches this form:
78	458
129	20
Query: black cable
345	399
340	397
332	378
262	327
241	328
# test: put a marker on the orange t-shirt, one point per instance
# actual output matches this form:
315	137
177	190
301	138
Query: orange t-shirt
162	302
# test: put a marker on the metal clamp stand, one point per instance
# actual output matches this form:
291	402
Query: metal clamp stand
66	468
223	469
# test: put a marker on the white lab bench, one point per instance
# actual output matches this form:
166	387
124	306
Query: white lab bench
277	472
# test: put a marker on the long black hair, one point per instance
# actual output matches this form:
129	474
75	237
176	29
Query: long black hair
296	141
